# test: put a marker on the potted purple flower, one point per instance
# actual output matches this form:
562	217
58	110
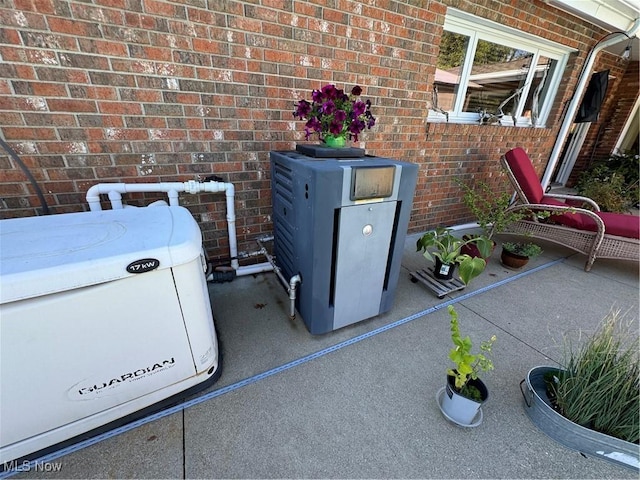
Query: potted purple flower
334	115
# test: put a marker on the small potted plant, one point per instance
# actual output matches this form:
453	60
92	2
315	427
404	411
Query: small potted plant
465	392
334	115
517	254
443	248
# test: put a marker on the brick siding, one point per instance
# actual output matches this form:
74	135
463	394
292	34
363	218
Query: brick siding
150	91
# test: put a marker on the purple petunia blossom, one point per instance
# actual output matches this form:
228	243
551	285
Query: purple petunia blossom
358	108
303	109
331	92
314	124
339	116
335	128
356	126
328	107
334	112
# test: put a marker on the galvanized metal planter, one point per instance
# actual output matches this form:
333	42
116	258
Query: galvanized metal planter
589	442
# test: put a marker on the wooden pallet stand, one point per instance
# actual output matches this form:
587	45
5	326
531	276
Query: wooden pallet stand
436	285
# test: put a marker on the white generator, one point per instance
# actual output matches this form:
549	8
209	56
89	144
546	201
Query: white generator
103	314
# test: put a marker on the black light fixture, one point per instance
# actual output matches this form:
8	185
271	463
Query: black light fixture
627	51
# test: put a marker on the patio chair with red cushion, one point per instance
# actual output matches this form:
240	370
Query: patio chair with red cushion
574	222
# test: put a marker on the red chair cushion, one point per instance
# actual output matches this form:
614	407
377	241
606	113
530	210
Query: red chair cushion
569	219
627	226
522	168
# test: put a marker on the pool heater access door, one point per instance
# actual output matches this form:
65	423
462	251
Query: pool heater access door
340	223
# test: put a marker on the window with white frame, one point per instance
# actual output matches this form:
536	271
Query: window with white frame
491	74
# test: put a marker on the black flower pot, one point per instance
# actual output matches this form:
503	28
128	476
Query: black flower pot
443	271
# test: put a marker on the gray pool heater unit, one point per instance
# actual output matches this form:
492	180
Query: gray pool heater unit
340	223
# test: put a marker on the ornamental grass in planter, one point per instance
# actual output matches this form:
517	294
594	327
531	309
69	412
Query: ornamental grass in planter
600	387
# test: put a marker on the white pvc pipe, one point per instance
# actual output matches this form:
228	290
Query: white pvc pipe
465	226
115	191
253	269
577	98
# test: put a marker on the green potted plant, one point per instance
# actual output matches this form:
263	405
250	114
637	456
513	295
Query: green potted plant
517	254
612	182
464	393
443	248
592	403
490	209
335	115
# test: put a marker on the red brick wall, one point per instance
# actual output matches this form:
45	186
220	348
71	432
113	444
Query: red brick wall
148	91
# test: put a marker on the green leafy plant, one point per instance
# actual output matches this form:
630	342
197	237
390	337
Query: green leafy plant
609	192
441	243
523	249
490	209
612	182
467	364
600	386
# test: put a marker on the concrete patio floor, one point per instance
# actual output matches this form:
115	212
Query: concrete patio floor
360	402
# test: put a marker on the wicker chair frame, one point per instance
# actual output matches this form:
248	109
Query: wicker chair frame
593	244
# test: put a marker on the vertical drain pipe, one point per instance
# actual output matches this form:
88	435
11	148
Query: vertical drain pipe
291	285
229	191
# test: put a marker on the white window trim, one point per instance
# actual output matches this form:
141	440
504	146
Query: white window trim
627	127
478	28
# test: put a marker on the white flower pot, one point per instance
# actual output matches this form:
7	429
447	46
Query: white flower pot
461	410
